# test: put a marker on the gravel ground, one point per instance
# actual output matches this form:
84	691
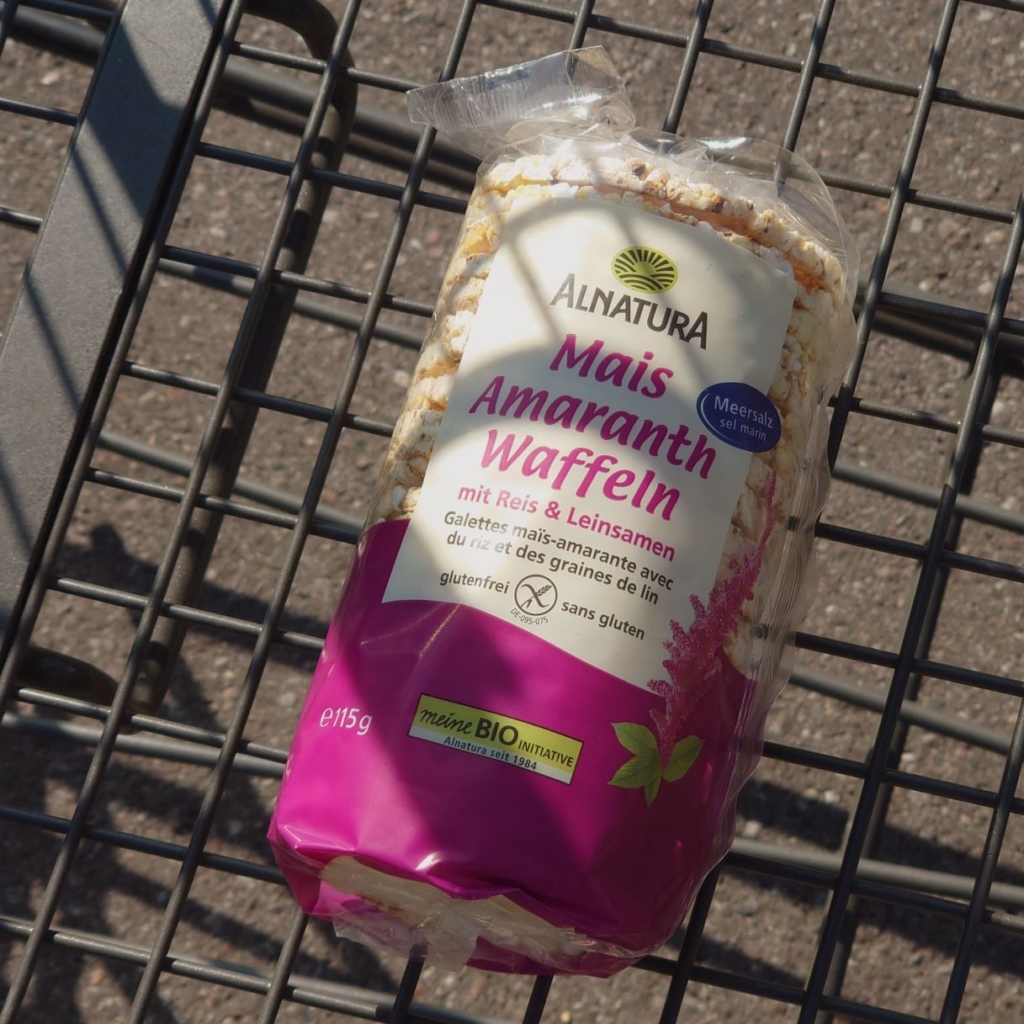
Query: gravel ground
760	929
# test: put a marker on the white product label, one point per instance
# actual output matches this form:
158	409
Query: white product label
599	431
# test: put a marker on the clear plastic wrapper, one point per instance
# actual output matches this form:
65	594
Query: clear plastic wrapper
548	676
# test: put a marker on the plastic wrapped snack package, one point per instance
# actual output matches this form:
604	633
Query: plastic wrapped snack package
550	669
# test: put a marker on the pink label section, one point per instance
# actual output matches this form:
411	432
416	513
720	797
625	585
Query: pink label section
588	855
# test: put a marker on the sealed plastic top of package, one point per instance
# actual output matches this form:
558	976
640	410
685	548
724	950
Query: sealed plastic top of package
483	113
575	102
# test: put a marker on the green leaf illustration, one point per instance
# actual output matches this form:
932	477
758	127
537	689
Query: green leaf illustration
637	739
651	789
684	753
644	770
638	772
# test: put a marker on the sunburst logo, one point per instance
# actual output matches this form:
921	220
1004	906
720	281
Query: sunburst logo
644	270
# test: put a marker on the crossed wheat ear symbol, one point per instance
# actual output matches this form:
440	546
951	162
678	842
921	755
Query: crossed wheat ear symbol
536	595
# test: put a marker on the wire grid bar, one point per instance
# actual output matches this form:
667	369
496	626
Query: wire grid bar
846	878
810	70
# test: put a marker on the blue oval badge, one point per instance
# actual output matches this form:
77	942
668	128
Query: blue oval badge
740	415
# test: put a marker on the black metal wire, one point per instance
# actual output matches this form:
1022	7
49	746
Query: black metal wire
864	817
361	1004
538	1000
204	820
1012	768
100	14
161	727
154	747
761	58
283	969
197	616
79	822
808	74
277	403
683	970
53	115
374	305
889	882
7	13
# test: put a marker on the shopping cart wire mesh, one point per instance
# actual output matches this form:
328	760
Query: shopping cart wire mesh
233	238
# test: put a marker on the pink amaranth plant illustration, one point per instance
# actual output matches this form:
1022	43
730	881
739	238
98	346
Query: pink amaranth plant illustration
694	666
